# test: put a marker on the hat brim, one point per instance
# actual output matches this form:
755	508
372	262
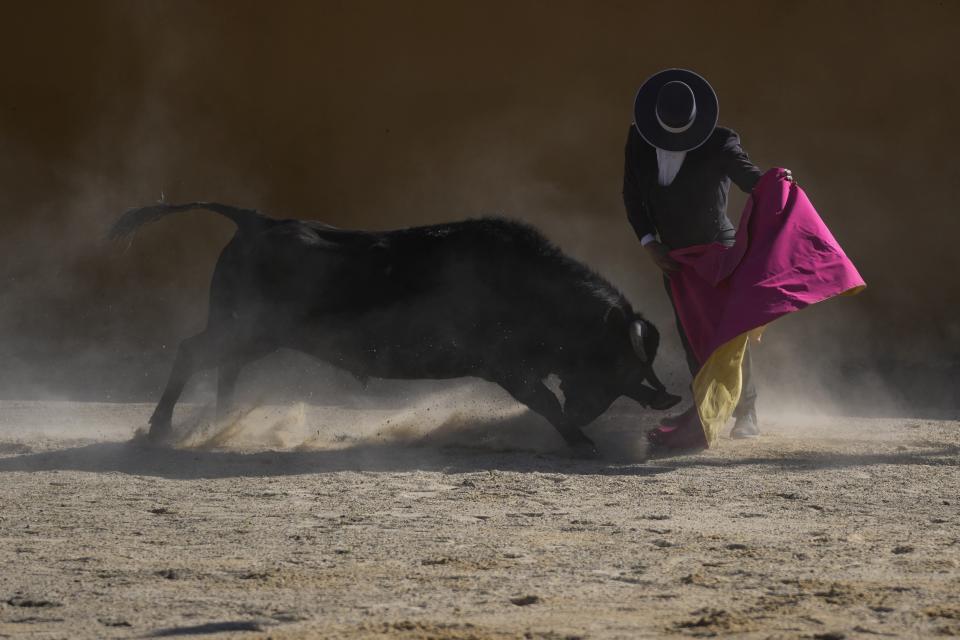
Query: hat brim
645	114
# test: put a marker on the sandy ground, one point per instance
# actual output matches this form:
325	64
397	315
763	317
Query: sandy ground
465	520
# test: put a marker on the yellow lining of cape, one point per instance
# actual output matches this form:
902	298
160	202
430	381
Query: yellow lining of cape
717	386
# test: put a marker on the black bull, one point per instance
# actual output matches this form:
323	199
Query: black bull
489	298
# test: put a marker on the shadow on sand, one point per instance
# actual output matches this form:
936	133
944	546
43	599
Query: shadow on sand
136	458
938	455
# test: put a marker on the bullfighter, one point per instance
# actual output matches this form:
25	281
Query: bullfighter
678	169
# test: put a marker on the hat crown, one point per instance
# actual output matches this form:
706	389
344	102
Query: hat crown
676	105
675	110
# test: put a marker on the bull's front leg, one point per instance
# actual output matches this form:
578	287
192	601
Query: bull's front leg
535	395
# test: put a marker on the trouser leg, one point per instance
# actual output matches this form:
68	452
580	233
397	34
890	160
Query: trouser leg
748	389
692	363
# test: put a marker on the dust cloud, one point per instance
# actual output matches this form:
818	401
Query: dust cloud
380	115
432	416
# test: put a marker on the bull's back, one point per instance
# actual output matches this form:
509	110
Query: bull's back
293	265
439	301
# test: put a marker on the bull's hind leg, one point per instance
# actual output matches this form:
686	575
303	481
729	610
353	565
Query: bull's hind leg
540	399
199	352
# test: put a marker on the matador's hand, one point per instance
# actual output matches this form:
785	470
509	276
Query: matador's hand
660	255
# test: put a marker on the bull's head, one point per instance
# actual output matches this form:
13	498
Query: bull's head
644	341
622	365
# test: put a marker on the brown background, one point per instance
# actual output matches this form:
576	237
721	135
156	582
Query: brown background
385	114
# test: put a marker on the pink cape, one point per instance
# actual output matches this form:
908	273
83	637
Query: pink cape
784	259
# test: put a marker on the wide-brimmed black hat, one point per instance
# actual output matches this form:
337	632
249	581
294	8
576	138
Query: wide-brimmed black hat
676	110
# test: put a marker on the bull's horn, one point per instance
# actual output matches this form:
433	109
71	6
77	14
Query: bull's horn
654	380
636	339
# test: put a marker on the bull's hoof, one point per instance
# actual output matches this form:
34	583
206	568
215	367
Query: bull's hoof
584	451
160	433
663	401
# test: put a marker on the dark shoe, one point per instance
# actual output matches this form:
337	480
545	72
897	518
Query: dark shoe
680	418
745	427
688	435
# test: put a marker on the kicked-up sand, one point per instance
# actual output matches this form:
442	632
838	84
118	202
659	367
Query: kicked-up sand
458	518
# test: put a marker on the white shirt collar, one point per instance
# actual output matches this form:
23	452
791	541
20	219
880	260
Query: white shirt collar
668	165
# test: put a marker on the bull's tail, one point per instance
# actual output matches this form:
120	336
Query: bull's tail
133	219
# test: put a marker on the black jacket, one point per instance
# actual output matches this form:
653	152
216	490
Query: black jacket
693	208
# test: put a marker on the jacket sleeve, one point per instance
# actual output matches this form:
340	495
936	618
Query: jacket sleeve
741	170
633	198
